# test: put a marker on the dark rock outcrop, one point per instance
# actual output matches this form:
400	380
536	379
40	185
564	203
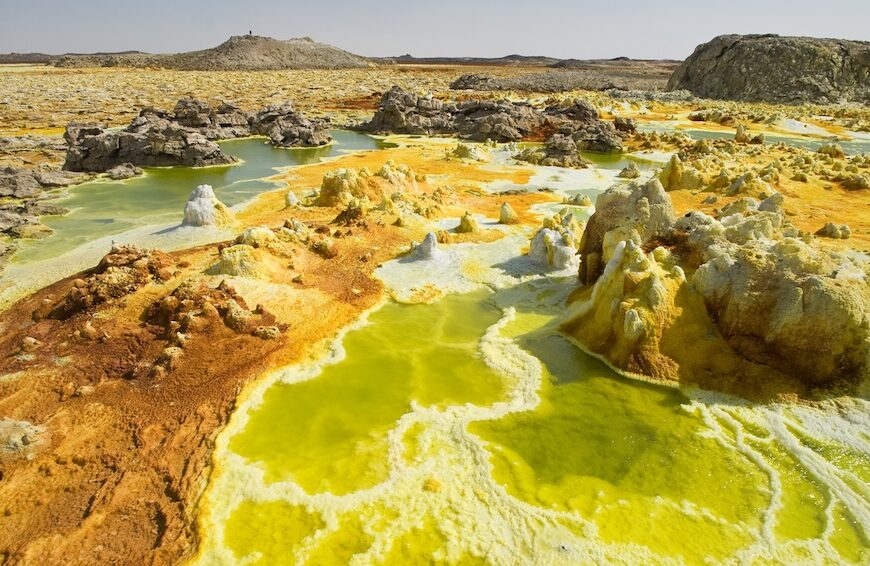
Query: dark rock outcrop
475	82
287	128
770	68
150	141
403	112
558	151
186	136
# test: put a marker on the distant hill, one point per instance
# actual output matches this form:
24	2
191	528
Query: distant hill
24	58
238	53
46	59
508	60
667	65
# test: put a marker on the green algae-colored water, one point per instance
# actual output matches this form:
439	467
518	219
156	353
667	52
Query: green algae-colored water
104	208
338	423
413	450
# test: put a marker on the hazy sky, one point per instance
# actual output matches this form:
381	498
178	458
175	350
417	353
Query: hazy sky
559	28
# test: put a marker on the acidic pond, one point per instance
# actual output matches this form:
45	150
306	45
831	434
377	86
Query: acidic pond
471	431
104	208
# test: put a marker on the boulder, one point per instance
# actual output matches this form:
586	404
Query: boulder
123	171
559	150
771	68
629	172
474	82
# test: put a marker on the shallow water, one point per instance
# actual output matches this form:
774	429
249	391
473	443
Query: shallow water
457	432
103	208
851	147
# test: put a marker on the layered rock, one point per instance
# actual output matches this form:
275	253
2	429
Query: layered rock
725	302
770	68
224	122
24	202
287	128
23	183
22	219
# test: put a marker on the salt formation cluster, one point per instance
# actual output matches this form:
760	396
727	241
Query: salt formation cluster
554	245
745	288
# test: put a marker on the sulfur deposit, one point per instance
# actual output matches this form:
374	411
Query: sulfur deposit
746	289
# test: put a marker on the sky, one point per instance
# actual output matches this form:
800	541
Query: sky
482	28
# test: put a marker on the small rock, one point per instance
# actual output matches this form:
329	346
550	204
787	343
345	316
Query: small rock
837	231
267	332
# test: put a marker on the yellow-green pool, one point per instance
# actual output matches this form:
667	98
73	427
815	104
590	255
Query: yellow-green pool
469	431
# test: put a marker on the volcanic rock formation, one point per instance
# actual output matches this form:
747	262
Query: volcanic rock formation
186	136
771	68
501	121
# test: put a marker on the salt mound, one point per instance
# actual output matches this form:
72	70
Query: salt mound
242	260
467	224
428	249
204	209
341	186
507	215
291	200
